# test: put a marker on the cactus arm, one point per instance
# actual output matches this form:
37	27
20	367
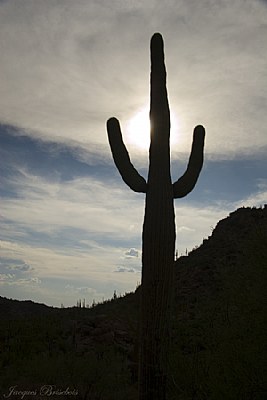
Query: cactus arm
121	158
186	183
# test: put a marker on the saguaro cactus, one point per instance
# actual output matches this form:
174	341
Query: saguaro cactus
159	225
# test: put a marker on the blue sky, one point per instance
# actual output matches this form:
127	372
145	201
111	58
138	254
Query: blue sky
70	228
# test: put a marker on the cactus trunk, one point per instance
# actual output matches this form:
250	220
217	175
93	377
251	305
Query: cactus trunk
159	226
158	240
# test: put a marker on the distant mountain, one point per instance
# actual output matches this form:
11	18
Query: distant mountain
16	309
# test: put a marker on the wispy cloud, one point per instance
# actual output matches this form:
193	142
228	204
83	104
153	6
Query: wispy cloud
256	199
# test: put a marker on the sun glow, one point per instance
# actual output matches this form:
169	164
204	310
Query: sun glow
138	129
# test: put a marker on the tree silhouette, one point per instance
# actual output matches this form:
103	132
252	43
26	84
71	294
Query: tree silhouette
158	240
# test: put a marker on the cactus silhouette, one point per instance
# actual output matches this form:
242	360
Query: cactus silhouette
158	240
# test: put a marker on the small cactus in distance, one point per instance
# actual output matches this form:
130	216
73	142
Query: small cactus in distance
158	240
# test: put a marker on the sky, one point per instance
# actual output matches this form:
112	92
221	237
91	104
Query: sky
69	227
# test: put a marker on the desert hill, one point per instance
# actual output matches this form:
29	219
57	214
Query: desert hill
16	309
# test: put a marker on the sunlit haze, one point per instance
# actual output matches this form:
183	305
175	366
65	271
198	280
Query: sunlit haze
138	129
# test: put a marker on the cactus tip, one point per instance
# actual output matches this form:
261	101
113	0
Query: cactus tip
157	36
200	128
157	39
112	122
199	131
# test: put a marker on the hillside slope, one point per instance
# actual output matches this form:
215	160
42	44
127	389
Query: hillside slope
220	306
235	253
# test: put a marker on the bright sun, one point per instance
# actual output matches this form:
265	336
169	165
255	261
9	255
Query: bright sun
138	129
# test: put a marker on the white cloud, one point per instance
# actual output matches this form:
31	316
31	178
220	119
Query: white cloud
185	229
12	280
6	277
124	269
83	291
193	223
132	253
83	203
257	199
